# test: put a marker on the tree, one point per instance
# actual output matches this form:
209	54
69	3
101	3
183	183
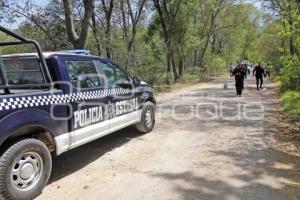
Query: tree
289	13
108	7
165	41
78	41
134	11
95	31
250	28
210	13
167	13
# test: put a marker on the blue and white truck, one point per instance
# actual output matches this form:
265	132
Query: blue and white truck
53	102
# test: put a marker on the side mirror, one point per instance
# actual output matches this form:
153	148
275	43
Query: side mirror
136	81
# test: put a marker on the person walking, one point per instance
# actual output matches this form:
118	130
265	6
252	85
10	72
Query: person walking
244	65
249	69
259	73
268	70
239	74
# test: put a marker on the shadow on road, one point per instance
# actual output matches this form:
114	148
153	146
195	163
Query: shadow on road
238	167
78	158
254	175
259	171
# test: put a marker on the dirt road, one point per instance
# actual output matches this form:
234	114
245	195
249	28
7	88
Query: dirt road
207	144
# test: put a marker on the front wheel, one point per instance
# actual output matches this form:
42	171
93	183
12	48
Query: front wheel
24	170
147	121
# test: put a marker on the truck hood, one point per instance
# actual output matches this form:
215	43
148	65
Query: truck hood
143	83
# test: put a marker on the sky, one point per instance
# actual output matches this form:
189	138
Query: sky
258	3
15	24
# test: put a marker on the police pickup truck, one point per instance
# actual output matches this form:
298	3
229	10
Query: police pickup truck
54	102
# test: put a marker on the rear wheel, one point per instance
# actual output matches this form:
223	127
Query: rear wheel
147	118
24	169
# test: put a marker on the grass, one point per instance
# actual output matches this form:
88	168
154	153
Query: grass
179	85
291	104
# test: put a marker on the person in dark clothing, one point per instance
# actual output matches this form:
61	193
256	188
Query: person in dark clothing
259	73
239	74
245	69
268	70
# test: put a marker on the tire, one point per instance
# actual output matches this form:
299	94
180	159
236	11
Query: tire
25	169
144	126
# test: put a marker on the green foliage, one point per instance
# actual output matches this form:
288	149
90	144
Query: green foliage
205	37
14	49
289	36
152	74
193	75
290	73
291	103
152	67
217	65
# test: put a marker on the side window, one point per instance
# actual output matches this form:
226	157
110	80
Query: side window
26	70
83	74
113	74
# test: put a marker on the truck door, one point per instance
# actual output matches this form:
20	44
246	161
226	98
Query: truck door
123	101
89	101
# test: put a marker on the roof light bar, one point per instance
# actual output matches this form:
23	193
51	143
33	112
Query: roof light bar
78	51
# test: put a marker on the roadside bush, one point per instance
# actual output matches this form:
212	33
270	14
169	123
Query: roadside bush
291	103
290	74
193	74
217	65
151	73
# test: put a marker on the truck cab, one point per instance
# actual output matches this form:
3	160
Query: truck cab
53	102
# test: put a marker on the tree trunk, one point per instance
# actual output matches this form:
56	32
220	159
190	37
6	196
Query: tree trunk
169	59
213	44
108	15
134	18
131	47
208	35
95	32
108	42
181	67
125	31
174	69
291	39
201	59
124	21
196	58
169	75
78	41
292	46
298	5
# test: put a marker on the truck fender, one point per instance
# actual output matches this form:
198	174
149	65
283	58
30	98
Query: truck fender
147	97
26	118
